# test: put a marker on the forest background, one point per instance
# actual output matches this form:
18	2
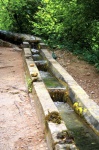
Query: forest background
64	24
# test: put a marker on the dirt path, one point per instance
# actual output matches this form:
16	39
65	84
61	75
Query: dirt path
19	125
85	74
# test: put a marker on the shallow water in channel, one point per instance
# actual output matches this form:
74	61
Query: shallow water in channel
84	137
37	57
49	80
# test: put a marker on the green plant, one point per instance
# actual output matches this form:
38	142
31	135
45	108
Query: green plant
18	15
97	67
53	117
29	83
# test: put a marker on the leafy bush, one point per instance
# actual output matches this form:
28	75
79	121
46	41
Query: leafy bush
72	24
18	15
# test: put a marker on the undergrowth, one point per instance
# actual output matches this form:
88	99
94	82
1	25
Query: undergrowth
29	84
82	53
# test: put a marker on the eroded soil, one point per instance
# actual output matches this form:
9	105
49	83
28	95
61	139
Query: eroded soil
85	74
19	125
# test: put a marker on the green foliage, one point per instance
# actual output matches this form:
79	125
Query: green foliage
18	15
29	83
53	117
47	20
71	24
97	66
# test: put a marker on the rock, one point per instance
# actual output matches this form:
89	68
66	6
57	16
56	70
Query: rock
31	65
88	74
34	74
88	81
92	92
41	146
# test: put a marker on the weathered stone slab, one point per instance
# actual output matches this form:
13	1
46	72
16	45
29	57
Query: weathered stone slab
44	105
31	67
42	46
44	98
52	132
65	146
26	45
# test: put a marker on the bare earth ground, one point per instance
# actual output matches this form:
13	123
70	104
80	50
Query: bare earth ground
19	125
84	73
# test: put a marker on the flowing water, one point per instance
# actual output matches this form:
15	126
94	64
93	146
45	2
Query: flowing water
49	80
36	57
85	138
41	65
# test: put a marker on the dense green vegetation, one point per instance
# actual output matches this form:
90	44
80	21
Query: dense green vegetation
18	15
71	24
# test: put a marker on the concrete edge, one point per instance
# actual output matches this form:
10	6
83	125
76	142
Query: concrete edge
44	105
81	102
32	69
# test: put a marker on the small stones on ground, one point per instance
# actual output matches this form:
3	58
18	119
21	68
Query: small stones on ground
86	67
30	148
41	146
68	63
88	81
92	92
88	74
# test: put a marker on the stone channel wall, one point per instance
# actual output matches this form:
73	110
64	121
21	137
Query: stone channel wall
46	107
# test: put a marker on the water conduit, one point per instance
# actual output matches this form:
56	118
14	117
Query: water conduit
69	118
62	105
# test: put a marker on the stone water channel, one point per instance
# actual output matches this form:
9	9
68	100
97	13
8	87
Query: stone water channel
83	135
